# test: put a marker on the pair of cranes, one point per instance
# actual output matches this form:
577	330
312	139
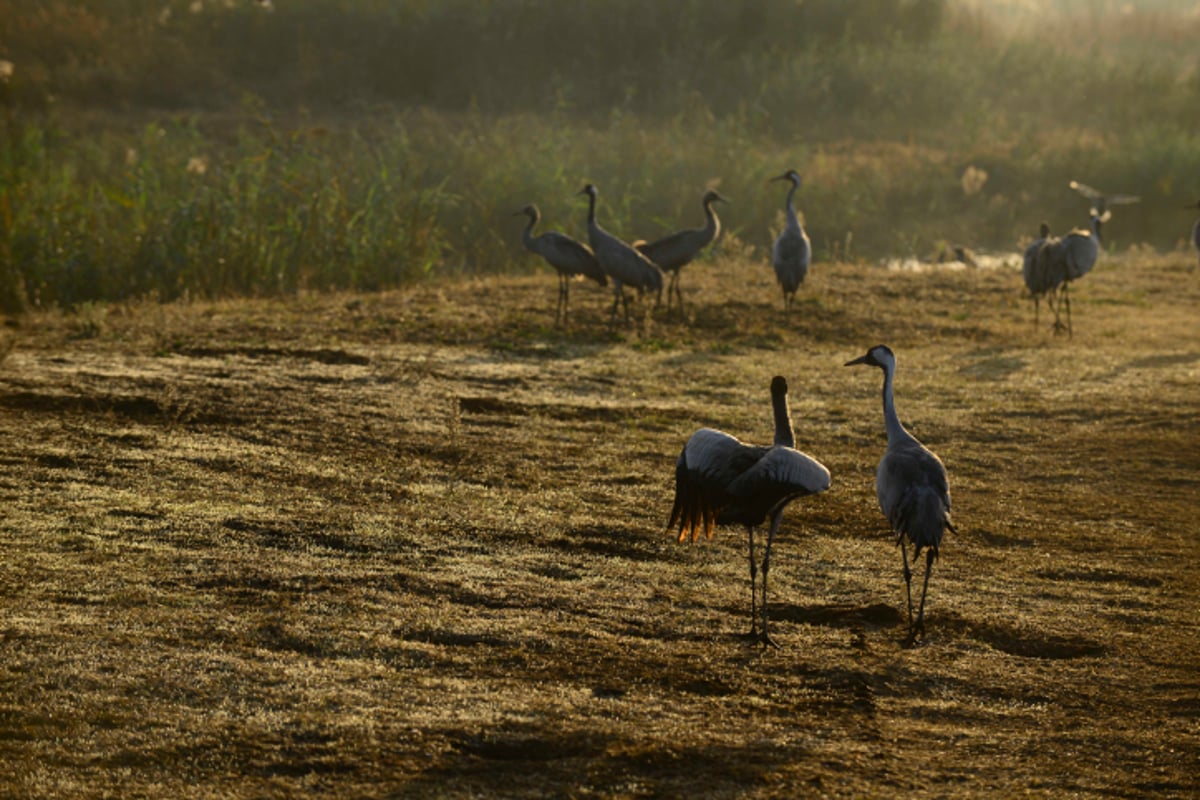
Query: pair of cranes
641	265
1052	262
721	480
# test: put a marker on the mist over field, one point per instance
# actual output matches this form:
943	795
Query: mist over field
217	148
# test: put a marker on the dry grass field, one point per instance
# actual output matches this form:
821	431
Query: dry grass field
412	544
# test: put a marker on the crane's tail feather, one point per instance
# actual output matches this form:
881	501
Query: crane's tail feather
692	511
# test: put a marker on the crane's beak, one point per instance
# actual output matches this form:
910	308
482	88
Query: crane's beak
860	360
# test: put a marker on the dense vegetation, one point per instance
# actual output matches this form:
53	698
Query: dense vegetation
234	147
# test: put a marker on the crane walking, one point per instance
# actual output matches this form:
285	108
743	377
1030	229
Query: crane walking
792	251
721	480
568	257
1068	258
626	266
911	487
1035	275
672	253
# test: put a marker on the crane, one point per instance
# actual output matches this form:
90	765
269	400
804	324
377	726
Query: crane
792	251
911	487
1035	276
1101	201
1068	258
568	257
672	253
721	480
626	266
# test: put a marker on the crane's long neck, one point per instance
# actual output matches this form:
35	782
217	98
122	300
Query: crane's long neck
792	220
783	420
895	431
713	226
1095	228
591	209
527	236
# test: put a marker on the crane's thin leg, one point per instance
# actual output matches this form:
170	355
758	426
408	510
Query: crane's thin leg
907	583
776	518
671	288
618	295
1036	324
1067	302
560	314
753	586
919	627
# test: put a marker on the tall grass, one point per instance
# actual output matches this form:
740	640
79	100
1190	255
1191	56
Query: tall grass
367	144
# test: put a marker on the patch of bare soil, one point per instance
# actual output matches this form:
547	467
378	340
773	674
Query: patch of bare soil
412	544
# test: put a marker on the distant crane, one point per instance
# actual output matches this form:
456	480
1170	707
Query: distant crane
671	253
1196	230
1101	201
1068	258
626	266
911	486
792	250
720	480
568	257
1035	277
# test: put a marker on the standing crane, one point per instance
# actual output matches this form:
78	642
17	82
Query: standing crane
792	251
1196	230
1068	258
1035	277
626	266
721	480
568	257
911	486
672	253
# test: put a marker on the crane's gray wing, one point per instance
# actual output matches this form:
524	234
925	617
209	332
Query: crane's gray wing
570	256
914	494
709	462
784	470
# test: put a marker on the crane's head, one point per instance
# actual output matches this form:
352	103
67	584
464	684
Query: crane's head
530	211
778	385
1044	231
590	190
790	175
878	356
713	196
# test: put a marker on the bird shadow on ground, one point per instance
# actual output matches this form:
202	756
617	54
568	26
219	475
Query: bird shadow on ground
876	615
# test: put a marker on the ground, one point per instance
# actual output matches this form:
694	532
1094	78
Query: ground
413	544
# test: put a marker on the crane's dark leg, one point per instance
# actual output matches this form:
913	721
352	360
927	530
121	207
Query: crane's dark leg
776	518
671	286
618	295
1036	324
560	315
753	587
919	627
907	583
1067	302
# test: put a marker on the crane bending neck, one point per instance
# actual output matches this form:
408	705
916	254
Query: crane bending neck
527	235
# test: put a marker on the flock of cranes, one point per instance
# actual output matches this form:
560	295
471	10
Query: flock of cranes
720	480
1051	263
640	265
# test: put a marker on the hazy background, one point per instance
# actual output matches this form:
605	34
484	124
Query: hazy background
209	148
